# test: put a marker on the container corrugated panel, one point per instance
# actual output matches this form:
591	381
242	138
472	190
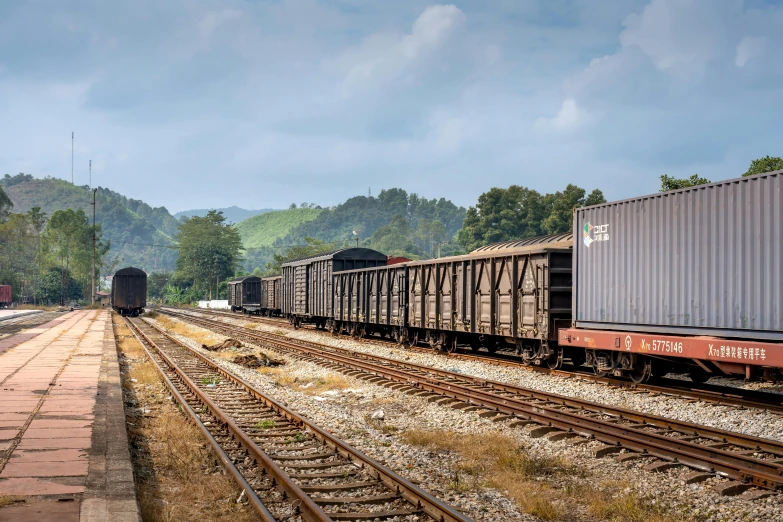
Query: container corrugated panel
706	260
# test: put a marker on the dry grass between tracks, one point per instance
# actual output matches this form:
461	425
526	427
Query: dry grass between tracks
196	333
307	384
172	468
547	487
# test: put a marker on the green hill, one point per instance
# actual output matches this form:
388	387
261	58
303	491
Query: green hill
262	230
233	214
131	225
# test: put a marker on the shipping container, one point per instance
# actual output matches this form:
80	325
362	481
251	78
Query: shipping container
5	295
705	260
129	291
244	293
307	282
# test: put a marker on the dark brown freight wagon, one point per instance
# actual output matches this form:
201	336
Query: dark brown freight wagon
514	293
244	294
129	291
270	295
307	282
371	301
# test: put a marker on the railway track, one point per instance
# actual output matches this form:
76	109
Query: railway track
747	461
710	393
288	468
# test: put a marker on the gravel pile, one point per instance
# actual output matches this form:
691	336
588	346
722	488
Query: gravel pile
348	412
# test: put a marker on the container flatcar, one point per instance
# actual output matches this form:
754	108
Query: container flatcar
515	293
129	291
244	294
5	296
689	279
306	289
270	295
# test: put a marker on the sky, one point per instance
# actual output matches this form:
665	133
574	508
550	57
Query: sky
260	103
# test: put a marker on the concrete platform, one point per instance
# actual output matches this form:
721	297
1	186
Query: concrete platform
7	313
16	339
63	444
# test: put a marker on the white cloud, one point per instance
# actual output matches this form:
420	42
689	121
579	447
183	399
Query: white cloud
569	117
384	57
213	19
748	48
688	33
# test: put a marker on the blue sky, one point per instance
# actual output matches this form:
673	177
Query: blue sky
197	103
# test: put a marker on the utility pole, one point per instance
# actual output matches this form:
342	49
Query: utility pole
71	157
94	192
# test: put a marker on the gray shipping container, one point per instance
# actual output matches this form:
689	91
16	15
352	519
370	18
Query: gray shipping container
705	260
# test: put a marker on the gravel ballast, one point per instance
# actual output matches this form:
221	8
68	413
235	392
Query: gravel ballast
348	412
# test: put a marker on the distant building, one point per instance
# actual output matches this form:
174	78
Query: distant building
103	298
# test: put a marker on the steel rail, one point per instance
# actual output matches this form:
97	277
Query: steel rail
217	449
710	393
764	473
309	510
422	500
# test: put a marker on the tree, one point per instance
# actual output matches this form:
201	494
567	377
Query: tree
310	248
518	212
209	250
5	205
156	284
671	183
394	238
58	286
67	241
560	219
765	164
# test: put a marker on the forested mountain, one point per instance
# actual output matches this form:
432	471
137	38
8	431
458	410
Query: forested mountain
395	222
130	225
233	214
264	230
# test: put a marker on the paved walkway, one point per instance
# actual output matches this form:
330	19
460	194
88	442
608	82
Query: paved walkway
63	445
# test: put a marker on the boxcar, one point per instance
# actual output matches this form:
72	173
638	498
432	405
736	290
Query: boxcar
307	283
129	291
244	294
5	296
371	301
270	295
515	292
656	275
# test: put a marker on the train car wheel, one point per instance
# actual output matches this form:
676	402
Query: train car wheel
413	340
555	360
493	346
642	372
698	375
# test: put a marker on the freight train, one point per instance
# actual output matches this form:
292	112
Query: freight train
255	295
687	281
129	291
